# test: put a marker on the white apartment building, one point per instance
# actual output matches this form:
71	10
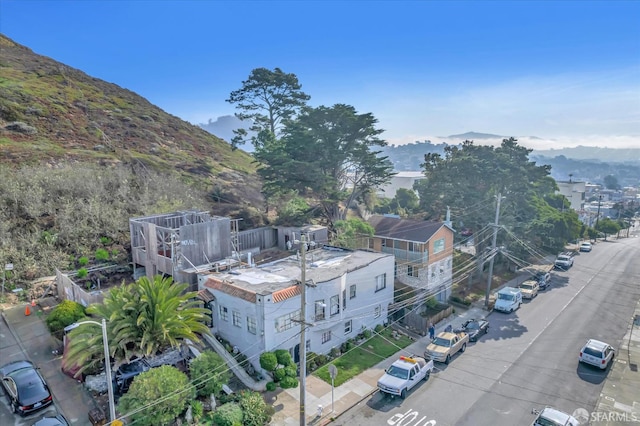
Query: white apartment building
574	192
258	309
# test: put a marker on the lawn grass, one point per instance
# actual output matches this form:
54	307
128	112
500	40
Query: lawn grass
363	357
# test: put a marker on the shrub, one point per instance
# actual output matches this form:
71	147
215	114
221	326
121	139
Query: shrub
197	409
284	357
228	414
83	261
66	313
82	273
279	374
291	371
102	255
105	241
431	302
335	352
255	410
289	383
379	328
271	386
209	372
268	361
366	333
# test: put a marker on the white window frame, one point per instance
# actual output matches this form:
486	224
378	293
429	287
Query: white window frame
320	310
334	305
224	313
377	312
326	337
285	322
352	291
381	282
252	325
237	318
348	327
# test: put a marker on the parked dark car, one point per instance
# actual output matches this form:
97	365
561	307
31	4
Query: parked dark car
24	387
543	278
57	420
474	328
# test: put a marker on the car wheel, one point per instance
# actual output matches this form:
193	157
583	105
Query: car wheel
486	330
426	376
463	348
403	394
14	408
448	359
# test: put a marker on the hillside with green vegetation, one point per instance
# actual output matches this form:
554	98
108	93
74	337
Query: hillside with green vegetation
79	156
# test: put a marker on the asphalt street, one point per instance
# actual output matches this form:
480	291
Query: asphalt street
529	358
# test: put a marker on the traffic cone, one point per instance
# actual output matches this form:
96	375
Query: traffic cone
27	311
33	303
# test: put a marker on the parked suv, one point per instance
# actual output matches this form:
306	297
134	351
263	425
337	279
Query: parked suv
564	260
125	374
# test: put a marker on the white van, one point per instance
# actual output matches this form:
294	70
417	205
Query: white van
508	299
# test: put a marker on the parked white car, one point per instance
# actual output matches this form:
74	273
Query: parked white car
596	353
529	289
551	417
585	246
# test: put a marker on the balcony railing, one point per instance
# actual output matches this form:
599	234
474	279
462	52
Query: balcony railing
411	256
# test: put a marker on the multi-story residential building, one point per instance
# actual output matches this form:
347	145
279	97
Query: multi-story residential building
399	180
574	192
423	252
258	308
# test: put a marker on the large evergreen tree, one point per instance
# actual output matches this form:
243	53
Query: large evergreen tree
265	99
327	155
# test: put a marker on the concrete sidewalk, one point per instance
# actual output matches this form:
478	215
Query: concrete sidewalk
358	388
619	402
33	337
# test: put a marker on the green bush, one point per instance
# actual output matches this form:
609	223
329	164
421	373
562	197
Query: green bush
284	357
291	371
279	374
255	410
431	302
105	241
289	383
334	352
83	261
66	313
82	273
102	255
268	361
379	328
367	333
208	372
271	386
197	409
228	414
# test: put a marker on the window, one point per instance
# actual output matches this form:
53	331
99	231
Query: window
251	325
412	271
344	299
348	326
320	305
352	291
377	312
334	305
438	245
237	319
285	322
224	313
326	336
415	247
381	282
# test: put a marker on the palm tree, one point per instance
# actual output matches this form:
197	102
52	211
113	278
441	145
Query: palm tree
143	319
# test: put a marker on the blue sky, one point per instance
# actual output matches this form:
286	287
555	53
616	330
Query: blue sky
566	72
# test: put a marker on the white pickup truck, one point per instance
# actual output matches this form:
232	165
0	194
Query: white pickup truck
404	374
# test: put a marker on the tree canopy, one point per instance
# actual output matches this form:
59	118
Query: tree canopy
327	154
469	177
266	98
142	319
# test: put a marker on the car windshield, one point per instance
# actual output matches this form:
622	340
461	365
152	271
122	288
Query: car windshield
503	296
526	286
592	352
441	342
398	372
563	257
543	421
472	325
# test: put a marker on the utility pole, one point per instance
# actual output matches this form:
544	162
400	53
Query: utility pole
303	326
598	215
493	249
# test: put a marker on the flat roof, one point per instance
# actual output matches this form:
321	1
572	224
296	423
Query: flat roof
323	264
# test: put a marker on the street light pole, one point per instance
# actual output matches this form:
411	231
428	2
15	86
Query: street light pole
303	326
107	362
